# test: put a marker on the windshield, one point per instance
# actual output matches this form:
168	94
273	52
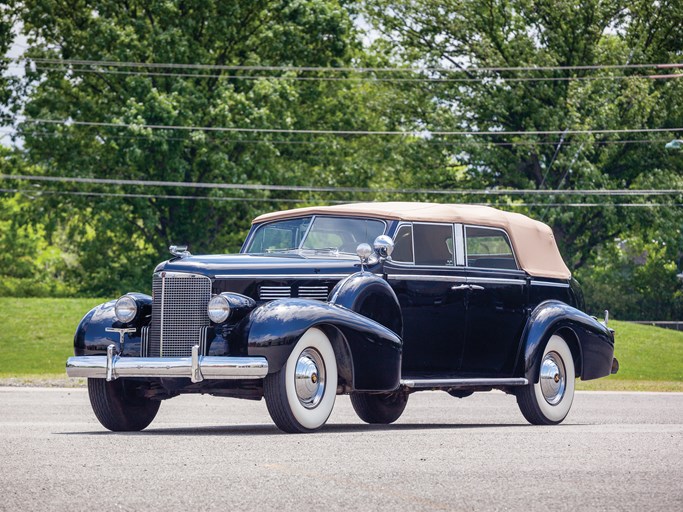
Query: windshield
315	234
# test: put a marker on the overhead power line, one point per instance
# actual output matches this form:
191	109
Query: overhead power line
159	137
299	188
151	196
36	193
415	133
168	74
358	69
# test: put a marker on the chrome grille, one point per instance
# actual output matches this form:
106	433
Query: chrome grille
144	341
178	313
314	292
274	292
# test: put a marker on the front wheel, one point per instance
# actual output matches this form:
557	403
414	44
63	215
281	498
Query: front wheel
301	395
382	408
118	407
547	402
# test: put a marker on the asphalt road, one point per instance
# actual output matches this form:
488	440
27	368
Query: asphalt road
615	451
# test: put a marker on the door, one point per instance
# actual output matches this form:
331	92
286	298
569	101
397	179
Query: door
496	303
432	294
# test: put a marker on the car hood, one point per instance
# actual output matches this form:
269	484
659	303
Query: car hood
228	265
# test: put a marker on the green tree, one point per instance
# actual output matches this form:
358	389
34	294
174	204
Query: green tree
118	239
461	34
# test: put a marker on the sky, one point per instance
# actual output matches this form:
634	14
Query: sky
16	50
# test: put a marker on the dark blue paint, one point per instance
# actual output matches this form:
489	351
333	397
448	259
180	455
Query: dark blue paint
381	328
275	327
370	296
596	342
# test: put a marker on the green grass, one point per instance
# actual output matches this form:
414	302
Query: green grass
650	359
37	337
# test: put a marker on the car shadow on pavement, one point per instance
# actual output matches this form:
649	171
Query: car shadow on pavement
256	430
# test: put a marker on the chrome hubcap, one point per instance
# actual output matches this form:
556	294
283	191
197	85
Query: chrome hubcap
553	378
309	378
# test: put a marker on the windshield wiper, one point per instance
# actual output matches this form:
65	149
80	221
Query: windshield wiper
268	251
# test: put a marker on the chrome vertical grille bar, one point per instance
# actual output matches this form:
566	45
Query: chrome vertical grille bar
161	314
144	341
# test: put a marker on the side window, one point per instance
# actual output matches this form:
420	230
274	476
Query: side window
433	244
403	245
489	248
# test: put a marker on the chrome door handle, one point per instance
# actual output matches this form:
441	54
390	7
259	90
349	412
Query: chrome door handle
467	287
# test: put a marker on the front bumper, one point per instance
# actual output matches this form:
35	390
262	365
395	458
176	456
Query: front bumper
197	367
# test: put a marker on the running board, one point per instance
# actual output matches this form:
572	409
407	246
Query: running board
461	383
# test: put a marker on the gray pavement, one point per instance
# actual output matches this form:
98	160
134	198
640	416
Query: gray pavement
615	451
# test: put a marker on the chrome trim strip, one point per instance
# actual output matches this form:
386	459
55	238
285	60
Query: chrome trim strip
459	245
340	287
161	313
211	367
169	273
426	277
448	383
274	292
283	276
495	280
308	230
548	283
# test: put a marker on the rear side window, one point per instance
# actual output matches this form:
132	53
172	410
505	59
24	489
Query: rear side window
489	248
433	244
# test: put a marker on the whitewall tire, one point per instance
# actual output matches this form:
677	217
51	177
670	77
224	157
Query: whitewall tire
547	402
300	396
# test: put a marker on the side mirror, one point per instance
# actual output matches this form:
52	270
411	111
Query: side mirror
384	246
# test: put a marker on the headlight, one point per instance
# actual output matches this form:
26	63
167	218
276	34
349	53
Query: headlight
125	309
218	309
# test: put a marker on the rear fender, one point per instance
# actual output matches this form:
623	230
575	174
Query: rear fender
591	343
374	350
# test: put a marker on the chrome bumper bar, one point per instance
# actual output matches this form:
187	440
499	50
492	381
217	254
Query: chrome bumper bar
197	368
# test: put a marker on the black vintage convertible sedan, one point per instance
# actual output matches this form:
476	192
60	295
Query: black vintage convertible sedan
377	300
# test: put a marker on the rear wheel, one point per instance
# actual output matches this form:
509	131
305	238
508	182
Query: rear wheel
381	408
547	402
301	395
118	407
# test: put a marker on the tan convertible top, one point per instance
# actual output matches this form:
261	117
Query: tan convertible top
533	241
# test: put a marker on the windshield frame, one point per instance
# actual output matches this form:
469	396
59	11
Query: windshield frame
300	249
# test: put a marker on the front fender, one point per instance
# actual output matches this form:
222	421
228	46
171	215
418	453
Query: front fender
91	337
371	296
592	343
375	351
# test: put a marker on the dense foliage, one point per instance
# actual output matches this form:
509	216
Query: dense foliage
52	243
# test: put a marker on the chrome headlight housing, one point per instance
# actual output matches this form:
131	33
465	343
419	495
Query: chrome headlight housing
125	309
218	309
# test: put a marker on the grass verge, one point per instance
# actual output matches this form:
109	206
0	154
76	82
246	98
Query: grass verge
37	334
37	338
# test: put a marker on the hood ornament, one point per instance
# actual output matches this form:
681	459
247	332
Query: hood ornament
364	251
179	251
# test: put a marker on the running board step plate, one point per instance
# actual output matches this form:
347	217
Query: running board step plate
461	383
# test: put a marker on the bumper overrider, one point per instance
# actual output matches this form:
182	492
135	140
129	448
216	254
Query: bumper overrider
197	368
